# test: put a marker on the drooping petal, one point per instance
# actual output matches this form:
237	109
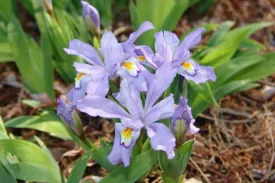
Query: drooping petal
96	72
162	80
145	26
84	51
91	17
75	93
125	139
100	106
162	110
98	87
183	114
199	74
115	155
163	139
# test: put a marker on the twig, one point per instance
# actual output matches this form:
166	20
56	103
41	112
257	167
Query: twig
201	172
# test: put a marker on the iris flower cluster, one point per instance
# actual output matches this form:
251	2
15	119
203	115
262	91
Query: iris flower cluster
144	77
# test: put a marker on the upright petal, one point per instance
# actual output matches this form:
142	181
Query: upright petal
112	52
162	110
133	107
192	39
193	71
145	26
163	78
84	51
148	54
100	106
163	139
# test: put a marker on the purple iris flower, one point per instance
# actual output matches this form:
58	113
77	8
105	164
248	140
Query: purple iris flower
136	116
96	72
183	117
91	17
170	50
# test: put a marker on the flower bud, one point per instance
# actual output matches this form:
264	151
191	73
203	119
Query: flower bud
182	121
91	17
68	113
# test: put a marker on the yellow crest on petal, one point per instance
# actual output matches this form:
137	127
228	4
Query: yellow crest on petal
77	79
127	132
141	58
188	67
131	67
127	137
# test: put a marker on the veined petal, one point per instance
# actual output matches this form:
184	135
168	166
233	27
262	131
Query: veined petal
192	39
133	107
100	106
96	72
112	52
98	87
162	80
84	51
145	26
108	40
163	49
197	73
125	139
162	110
163	139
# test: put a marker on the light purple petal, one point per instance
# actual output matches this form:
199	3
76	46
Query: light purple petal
162	110
112	52
192	39
99	106
65	110
76	94
133	107
145	26
203	73
96	72
149	55
89	11
115	155
84	51
163	49
183	111
163	78
120	153
163	139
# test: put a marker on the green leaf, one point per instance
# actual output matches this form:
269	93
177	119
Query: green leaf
35	172
31	103
47	122
79	168
6	10
219	33
47	64
138	167
175	167
6	173
100	155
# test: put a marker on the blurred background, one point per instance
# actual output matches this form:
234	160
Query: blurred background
235	142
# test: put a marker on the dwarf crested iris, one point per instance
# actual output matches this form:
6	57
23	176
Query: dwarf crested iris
136	116
170	50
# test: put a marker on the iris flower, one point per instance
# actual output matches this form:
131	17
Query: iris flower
170	50
97	73
134	116
91	17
